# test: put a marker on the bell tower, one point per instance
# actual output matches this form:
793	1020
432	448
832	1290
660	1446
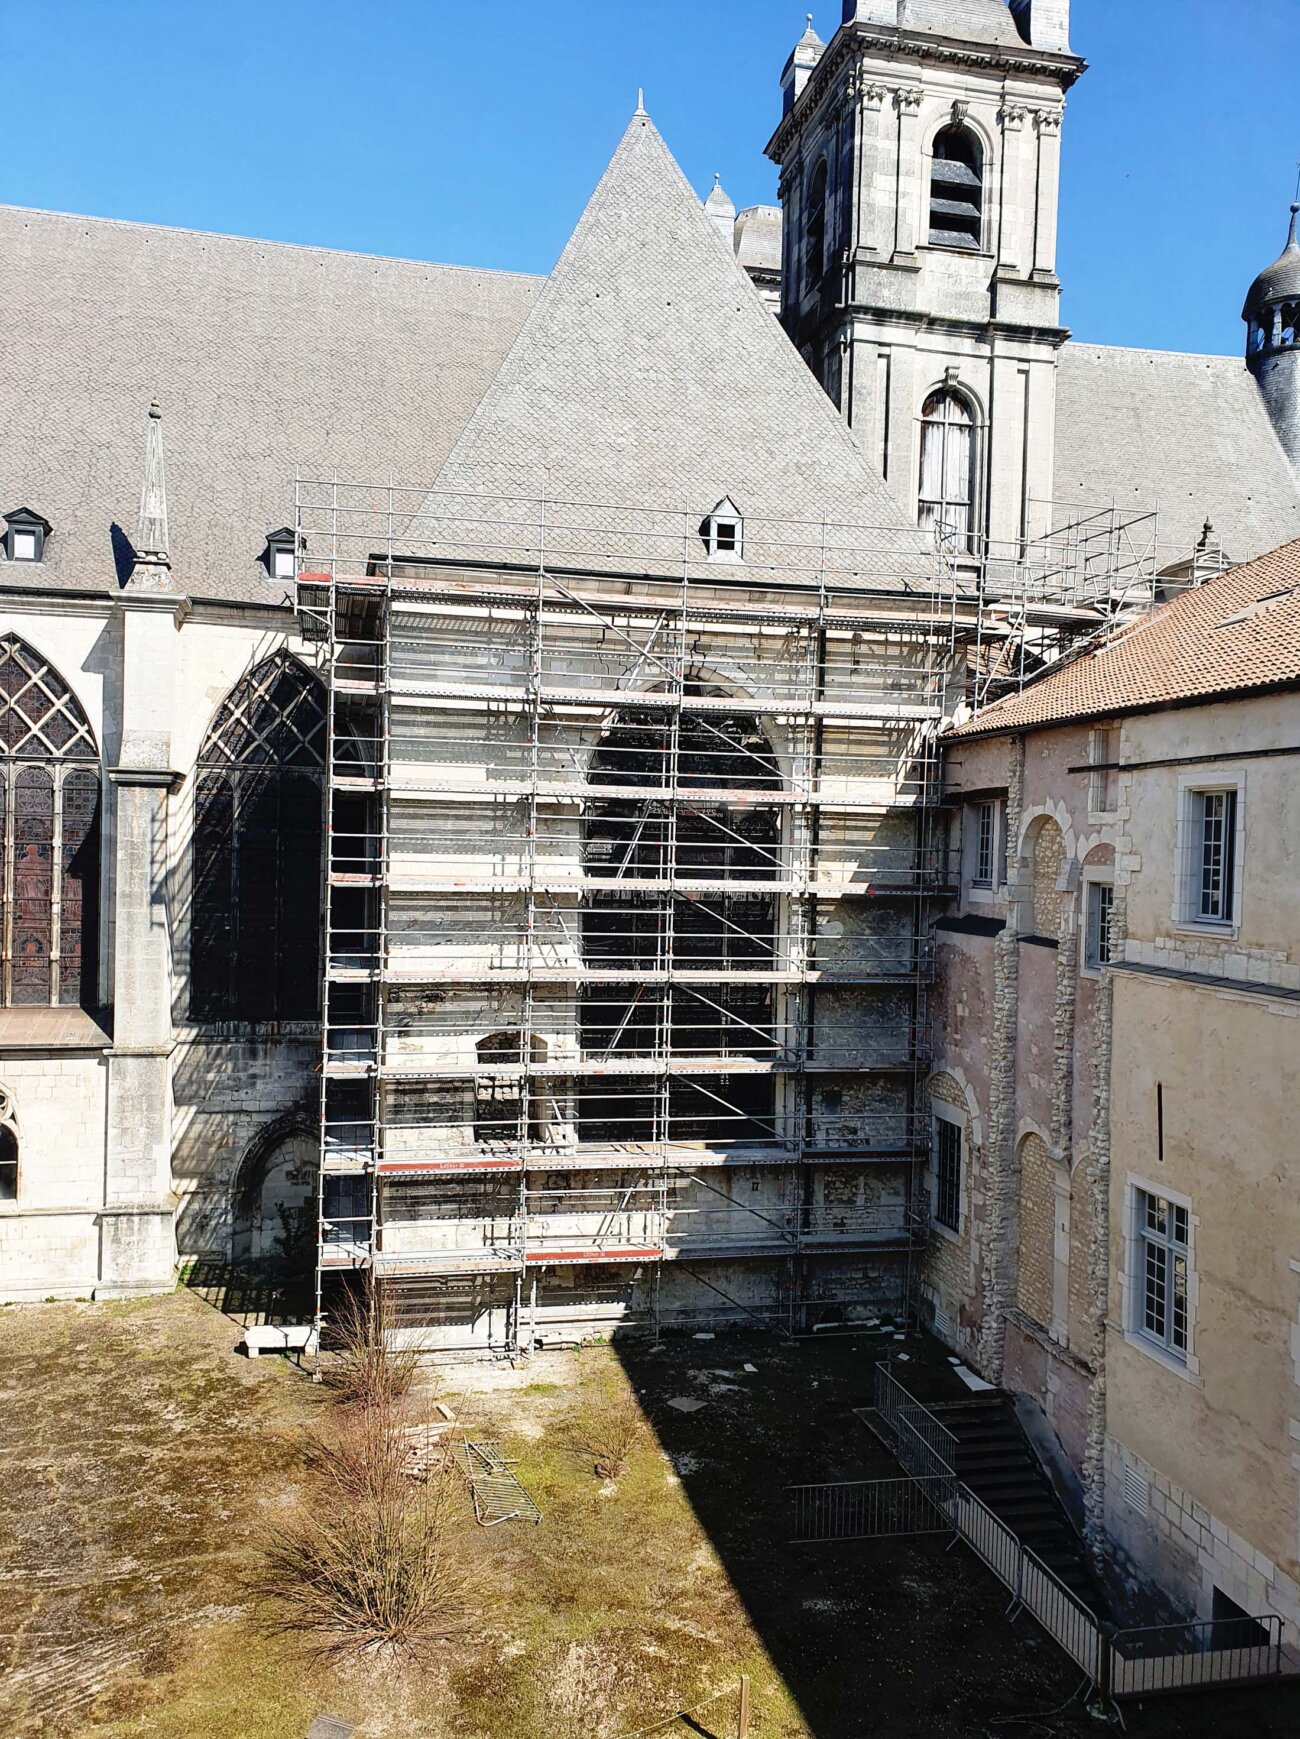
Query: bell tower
919	154
1272	316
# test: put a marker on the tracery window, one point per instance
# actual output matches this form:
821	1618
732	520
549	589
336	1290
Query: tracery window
255	938
946	500
49	836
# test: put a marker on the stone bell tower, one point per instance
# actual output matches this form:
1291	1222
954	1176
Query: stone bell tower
1272	316
920	156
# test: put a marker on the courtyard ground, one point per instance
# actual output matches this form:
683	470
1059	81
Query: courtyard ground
142	1461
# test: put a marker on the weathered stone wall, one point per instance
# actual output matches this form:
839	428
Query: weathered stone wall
1036	1250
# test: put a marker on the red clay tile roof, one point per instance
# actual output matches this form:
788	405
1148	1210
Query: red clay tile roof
1237	633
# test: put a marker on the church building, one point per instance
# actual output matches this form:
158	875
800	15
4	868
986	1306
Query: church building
343	888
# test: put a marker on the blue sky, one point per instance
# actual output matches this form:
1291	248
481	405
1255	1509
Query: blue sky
473	130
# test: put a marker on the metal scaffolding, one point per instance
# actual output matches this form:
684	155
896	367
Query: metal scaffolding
633	852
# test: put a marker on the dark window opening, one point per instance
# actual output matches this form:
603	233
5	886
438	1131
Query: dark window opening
49	837
815	227
255	941
957	190
947	1174
8	1164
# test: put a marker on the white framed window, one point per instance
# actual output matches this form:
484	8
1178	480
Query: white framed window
724	532
1099	902
946	1157
1103	781
1161	1300
986	829
984	845
279	554
1210	859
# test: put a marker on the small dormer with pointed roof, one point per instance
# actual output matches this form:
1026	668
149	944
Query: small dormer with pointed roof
1272	316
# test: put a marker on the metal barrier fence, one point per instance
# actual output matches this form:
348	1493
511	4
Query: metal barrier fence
1184	1657
871	1509
1125	1663
924	1446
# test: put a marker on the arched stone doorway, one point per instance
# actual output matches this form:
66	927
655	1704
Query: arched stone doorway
275	1193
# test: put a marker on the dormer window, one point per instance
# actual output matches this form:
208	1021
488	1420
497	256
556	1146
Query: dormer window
278	555
25	535
724	532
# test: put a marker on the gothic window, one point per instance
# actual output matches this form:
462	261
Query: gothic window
957	190
946	502
49	836
815	227
8	1149
255	939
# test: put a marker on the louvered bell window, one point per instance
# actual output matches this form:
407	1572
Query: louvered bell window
957	191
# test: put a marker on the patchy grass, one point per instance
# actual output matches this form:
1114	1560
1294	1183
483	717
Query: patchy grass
146	1466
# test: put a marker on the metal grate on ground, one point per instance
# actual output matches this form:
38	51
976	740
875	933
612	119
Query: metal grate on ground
498	1495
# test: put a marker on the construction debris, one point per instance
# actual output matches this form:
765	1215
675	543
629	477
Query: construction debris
498	1495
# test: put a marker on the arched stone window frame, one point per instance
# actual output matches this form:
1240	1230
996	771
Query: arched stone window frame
945	480
952	126
258	822
50	807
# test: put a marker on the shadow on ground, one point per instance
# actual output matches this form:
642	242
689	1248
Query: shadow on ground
898	1639
253	1294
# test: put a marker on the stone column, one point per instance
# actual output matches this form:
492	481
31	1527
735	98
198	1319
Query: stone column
138	1242
1047	124
1015	216
908	189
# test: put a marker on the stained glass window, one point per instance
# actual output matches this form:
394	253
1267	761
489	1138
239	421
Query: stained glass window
49	836
255	937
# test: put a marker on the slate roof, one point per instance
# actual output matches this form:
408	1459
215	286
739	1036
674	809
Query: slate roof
650	375
1189	435
263	355
1237	634
966	20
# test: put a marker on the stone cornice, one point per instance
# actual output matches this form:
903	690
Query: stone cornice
854	43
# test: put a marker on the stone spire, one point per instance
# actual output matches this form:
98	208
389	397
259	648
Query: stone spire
153	567
800	66
721	210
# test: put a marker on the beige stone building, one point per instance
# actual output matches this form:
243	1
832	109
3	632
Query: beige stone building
1120	1004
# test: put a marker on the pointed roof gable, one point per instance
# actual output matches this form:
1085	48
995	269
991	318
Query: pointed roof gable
650	376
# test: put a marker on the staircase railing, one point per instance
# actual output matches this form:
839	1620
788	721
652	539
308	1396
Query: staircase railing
1120	1663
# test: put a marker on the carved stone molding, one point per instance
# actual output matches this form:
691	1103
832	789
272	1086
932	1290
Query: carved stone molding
1047	120
873	95
907	100
1012	117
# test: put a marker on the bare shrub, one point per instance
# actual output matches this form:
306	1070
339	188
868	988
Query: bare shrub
367	1370
611	1434
373	1560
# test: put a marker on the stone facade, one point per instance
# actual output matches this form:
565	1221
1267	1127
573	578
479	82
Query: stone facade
136	1135
886	304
